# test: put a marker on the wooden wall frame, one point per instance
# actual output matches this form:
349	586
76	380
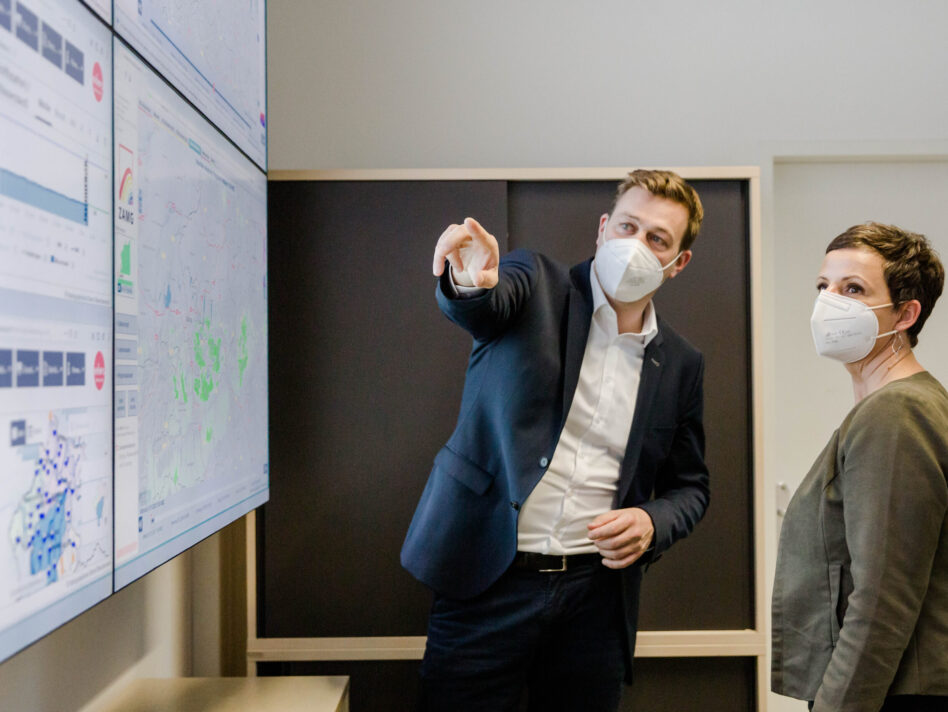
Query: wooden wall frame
657	644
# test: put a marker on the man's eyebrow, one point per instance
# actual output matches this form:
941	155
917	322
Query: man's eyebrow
658	228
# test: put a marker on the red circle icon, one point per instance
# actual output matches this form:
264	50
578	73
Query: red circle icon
99	370
97	84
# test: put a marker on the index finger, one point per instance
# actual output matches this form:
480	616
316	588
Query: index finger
603	519
599	527
442	248
477	231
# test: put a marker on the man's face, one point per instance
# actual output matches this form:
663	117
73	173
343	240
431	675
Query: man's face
658	222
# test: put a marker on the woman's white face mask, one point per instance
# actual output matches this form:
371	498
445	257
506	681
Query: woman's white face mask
844	328
628	270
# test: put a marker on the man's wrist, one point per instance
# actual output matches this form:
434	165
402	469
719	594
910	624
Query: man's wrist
462	291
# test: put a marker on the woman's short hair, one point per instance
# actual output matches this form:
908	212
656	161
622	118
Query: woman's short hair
912	269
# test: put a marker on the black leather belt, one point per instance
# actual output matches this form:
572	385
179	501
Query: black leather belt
552	563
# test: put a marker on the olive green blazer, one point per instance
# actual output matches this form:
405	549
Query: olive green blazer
860	601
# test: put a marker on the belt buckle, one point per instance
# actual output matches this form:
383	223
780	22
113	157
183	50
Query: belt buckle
556	571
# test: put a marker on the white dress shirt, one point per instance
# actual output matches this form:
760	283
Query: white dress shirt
581	481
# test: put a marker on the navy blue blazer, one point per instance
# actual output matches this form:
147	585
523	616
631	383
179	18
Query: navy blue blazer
530	334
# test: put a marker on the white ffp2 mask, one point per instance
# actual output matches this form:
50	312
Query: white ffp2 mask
844	328
628	270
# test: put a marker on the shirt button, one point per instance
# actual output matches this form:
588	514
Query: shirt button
544	462
515	505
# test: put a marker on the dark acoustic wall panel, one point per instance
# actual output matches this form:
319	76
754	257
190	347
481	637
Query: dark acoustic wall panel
661	684
366	377
705	581
692	685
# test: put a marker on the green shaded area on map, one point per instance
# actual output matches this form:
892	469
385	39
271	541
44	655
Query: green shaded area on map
215	348
199	348
204	381
203	385
126	267
242	345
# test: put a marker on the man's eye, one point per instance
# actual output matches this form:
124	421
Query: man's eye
627	227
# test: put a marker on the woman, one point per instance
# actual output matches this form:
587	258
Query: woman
860	603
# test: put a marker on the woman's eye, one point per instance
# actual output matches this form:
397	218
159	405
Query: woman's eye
853	288
820	287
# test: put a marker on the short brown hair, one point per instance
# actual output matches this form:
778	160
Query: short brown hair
912	269
670	185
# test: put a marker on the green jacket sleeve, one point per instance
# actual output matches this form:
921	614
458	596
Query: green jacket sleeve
894	502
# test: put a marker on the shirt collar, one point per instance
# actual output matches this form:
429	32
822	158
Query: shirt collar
602	310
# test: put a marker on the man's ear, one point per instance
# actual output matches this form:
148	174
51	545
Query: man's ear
683	259
600	233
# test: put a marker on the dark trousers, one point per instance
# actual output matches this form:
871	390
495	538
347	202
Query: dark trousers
556	635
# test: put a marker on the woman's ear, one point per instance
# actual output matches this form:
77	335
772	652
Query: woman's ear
908	314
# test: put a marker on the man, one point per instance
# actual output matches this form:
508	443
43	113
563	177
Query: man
578	457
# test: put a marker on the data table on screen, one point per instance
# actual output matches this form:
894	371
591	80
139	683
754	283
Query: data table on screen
55	316
190	329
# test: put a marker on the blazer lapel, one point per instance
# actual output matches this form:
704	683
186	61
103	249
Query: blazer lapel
653	363
577	331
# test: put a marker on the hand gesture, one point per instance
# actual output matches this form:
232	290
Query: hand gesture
622	536
472	253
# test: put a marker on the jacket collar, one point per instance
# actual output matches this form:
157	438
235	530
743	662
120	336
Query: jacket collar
577	330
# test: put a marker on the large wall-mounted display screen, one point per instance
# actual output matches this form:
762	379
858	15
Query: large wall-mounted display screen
190	328
214	53
133	295
55	316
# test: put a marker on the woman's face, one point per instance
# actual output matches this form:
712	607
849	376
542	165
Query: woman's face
857	272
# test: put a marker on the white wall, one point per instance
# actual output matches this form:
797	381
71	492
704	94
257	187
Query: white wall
142	631
167	624
495	83
534	83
